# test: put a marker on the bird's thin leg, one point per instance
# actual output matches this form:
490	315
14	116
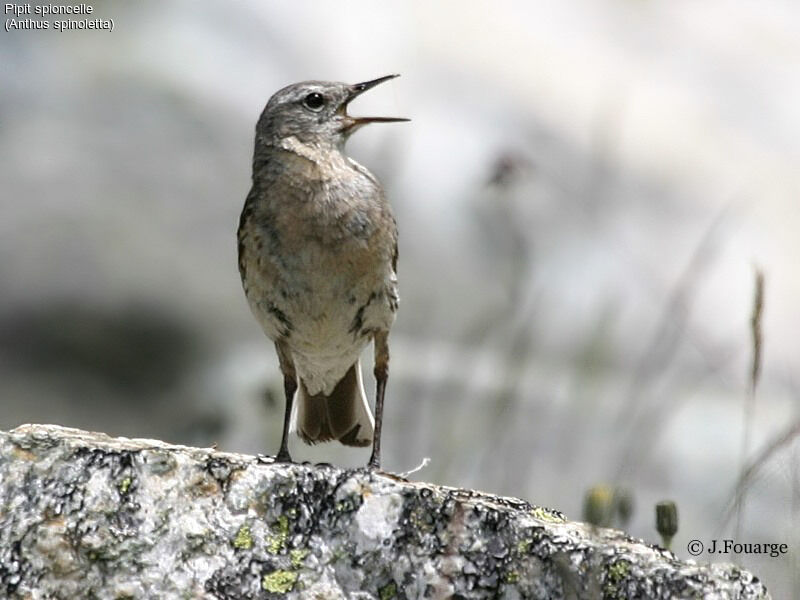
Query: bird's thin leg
289	388
381	375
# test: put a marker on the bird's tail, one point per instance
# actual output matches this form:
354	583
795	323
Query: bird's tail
343	415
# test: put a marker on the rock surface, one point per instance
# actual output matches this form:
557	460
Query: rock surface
83	515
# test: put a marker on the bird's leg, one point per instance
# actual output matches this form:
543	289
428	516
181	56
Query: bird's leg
289	388
381	375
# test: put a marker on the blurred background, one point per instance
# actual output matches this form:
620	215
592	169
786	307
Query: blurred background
584	196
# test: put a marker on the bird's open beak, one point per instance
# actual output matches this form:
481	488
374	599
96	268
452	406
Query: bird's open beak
355	91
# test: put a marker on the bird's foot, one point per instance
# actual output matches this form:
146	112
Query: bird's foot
283	456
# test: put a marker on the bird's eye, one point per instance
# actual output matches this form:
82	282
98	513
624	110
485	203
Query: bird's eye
314	101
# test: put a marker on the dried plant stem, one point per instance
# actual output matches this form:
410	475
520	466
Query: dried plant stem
770	449
749	403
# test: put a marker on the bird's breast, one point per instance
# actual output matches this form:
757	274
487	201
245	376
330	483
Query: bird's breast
318	257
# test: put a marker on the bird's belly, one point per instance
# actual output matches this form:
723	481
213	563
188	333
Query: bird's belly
322	302
329	333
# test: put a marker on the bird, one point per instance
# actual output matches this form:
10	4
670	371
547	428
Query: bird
317	246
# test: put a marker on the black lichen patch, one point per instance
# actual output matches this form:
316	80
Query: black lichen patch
117	461
63	491
483	531
13	568
492	559
60	495
421	523
308	498
221	470
122	469
243	581
297	507
243	577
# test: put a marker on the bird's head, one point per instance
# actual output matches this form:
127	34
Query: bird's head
315	112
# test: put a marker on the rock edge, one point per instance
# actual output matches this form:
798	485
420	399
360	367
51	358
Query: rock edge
85	515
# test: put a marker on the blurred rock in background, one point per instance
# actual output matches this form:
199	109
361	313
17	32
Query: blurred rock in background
582	195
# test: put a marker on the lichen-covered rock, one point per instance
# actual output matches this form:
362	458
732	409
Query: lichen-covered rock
83	515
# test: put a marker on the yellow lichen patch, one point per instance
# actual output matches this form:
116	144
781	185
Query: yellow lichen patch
512	577
297	557
279	582
125	485
276	542
523	546
545	515
619	570
388	591
615	574
244	538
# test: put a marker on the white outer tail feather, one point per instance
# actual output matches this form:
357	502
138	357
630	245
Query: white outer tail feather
312	424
